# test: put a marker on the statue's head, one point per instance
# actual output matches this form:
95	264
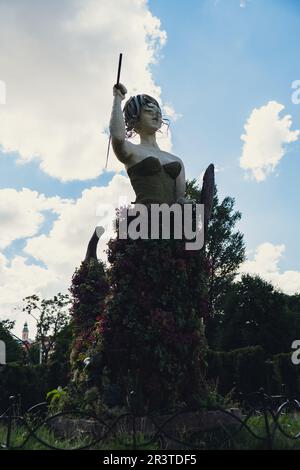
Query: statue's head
142	114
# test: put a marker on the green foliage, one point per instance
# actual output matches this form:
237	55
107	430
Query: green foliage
33	354
248	369
285	372
225	251
56	395
159	322
243	369
225	248
7	324
255	313
193	190
288	422
223	438
229	437
88	290
215	399
63	344
155	327
121	440
52	317
140	326
30	382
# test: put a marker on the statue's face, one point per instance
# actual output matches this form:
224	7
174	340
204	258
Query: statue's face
150	119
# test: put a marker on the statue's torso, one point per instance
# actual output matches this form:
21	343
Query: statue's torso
154	182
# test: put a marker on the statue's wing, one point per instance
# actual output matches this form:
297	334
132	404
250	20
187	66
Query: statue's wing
91	252
207	193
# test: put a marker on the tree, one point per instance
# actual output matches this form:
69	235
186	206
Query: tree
258	314
88	290
225	251
52	317
63	343
34	354
14	352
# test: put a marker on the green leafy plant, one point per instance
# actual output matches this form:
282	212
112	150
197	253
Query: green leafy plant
56	395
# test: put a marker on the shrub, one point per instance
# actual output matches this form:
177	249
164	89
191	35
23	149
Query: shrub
242	368
30	382
249	369
285	372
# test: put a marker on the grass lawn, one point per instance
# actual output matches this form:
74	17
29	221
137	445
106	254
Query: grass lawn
243	440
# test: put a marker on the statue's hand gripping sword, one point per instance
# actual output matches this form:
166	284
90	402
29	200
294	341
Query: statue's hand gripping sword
118	81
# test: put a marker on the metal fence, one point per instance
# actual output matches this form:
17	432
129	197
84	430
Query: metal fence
169	432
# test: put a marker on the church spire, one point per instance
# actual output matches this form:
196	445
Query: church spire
25	332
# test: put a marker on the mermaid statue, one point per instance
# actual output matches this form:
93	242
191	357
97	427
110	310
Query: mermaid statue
147	337
156	176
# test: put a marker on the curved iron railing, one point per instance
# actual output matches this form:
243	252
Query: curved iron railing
257	404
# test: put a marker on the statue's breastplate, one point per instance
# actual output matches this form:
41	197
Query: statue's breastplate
153	182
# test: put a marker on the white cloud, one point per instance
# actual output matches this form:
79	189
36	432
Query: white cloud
21	213
170	112
21	216
265	263
19	279
266	133
59	62
62	249
65	245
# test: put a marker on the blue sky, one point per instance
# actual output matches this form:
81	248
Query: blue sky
220	61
